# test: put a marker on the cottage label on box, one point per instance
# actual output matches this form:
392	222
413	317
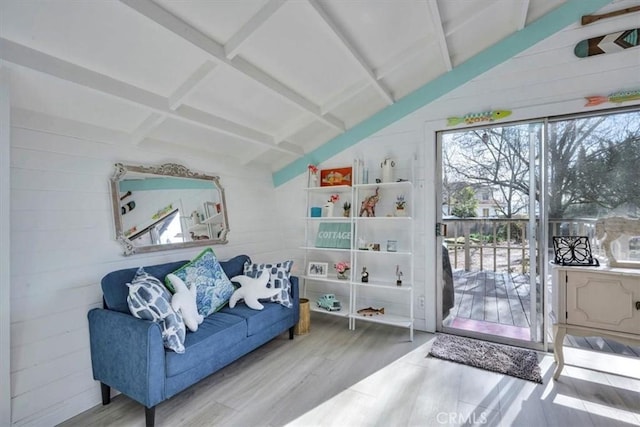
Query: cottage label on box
334	235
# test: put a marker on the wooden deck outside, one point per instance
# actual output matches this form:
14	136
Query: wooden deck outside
497	297
499	303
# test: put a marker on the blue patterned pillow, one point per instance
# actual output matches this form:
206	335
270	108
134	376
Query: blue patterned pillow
148	299
280	274
213	285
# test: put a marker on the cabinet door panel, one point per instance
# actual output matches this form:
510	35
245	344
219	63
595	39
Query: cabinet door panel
603	301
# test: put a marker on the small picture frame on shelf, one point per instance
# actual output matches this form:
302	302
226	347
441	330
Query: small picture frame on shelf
336	176
317	269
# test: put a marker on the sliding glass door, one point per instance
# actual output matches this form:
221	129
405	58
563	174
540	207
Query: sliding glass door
490	202
505	191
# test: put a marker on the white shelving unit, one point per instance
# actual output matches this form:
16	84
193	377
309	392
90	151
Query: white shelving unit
205	226
381	291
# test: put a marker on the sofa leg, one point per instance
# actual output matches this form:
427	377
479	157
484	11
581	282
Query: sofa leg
291	329
150	416
106	393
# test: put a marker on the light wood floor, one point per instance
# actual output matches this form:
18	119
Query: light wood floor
374	377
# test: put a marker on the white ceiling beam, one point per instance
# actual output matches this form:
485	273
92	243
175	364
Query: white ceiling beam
300	123
151	122
402	58
191	84
523	12
342	97
232	47
475	11
282	136
39	61
436	24
250	70
162	17
175	100
397	61
352	51
414	50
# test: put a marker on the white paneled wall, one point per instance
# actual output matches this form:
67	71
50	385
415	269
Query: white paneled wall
5	288
62	232
62	243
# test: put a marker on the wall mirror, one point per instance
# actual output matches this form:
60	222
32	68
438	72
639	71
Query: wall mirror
157	208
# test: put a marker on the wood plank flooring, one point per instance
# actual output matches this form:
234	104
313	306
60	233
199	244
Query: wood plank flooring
374	377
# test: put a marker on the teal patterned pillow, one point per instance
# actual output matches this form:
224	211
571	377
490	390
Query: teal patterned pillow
148	299
213	285
280	273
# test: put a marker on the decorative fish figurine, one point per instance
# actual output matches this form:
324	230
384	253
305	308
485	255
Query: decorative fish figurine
485	116
370	311
618	97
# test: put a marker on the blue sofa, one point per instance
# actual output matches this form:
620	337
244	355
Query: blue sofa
128	354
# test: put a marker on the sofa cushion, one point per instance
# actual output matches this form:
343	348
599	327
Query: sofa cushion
218	331
258	320
280	273
114	284
235	265
213	285
149	300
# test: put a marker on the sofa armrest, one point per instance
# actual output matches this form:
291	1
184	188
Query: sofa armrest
128	354
295	288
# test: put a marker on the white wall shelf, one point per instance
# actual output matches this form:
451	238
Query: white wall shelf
388	224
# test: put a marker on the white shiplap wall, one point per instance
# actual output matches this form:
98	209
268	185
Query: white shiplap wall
62	232
5	288
62	244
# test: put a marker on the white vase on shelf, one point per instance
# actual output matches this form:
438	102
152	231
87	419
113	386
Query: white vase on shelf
327	210
313	180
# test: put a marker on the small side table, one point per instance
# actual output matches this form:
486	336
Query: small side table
304	324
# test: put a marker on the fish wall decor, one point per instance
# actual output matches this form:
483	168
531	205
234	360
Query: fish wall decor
617	97
485	116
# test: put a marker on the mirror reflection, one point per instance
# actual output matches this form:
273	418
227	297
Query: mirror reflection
167	207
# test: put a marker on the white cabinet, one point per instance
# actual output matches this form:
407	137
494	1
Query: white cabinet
601	302
382	244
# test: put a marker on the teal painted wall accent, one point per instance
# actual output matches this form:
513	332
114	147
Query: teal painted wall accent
566	14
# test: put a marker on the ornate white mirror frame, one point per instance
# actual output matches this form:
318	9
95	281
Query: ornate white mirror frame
190	206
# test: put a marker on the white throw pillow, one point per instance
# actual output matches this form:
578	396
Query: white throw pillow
184	302
251	290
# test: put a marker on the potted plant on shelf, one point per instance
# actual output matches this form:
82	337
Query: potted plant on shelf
401	204
341	268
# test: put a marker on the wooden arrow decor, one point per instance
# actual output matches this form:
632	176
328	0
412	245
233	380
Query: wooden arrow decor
608	43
